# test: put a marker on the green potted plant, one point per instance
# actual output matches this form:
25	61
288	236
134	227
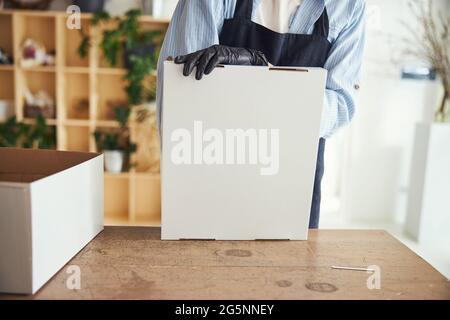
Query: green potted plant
20	135
116	144
114	156
140	50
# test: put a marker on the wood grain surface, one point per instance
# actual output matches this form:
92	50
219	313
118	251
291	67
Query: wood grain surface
132	263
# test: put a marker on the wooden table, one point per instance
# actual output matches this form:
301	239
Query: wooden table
132	263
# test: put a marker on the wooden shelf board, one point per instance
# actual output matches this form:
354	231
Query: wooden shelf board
39	69
51	122
117	71
113	124
6	67
106	123
83	70
122	175
150	222
123	221
76	122
112	71
146	175
116	220
126	175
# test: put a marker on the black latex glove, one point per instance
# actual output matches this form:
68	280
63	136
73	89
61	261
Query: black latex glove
207	59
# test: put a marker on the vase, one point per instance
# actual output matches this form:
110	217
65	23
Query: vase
428	215
114	161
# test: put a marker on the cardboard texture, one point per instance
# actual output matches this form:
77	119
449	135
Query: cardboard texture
250	198
51	206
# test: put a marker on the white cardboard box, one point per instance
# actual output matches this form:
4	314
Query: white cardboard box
51	206
205	195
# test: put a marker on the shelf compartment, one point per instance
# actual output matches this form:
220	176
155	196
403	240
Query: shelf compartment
77	96
36	81
72	41
39	28
110	92
6	38
50	122
6	85
82	70
116	199
78	138
147	199
6	67
50	69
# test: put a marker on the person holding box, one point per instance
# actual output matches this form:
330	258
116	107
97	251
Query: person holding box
301	33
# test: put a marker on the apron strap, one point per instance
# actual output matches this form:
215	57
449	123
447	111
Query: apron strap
322	25
244	9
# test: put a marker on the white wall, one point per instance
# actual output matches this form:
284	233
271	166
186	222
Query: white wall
376	173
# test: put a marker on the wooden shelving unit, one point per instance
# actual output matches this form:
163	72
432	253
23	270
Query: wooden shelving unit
131	198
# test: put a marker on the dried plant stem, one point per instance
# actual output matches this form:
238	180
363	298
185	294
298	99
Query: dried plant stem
442	111
432	44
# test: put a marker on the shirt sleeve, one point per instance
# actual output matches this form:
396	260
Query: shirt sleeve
195	25
344	68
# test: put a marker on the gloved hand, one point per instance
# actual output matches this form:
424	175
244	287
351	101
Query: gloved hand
207	59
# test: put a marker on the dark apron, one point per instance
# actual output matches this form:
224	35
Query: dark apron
288	49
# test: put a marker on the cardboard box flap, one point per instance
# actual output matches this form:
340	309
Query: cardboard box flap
28	165
17	177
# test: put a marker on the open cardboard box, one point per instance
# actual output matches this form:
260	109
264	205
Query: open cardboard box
51	206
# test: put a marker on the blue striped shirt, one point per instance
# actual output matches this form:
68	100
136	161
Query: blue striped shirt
196	24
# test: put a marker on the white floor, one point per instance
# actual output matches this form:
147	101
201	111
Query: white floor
438	257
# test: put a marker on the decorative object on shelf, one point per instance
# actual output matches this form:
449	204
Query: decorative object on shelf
6	109
114	161
140	51
432	45
21	135
130	39
31	4
5	58
90	5
40	104
117	140
81	108
34	54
